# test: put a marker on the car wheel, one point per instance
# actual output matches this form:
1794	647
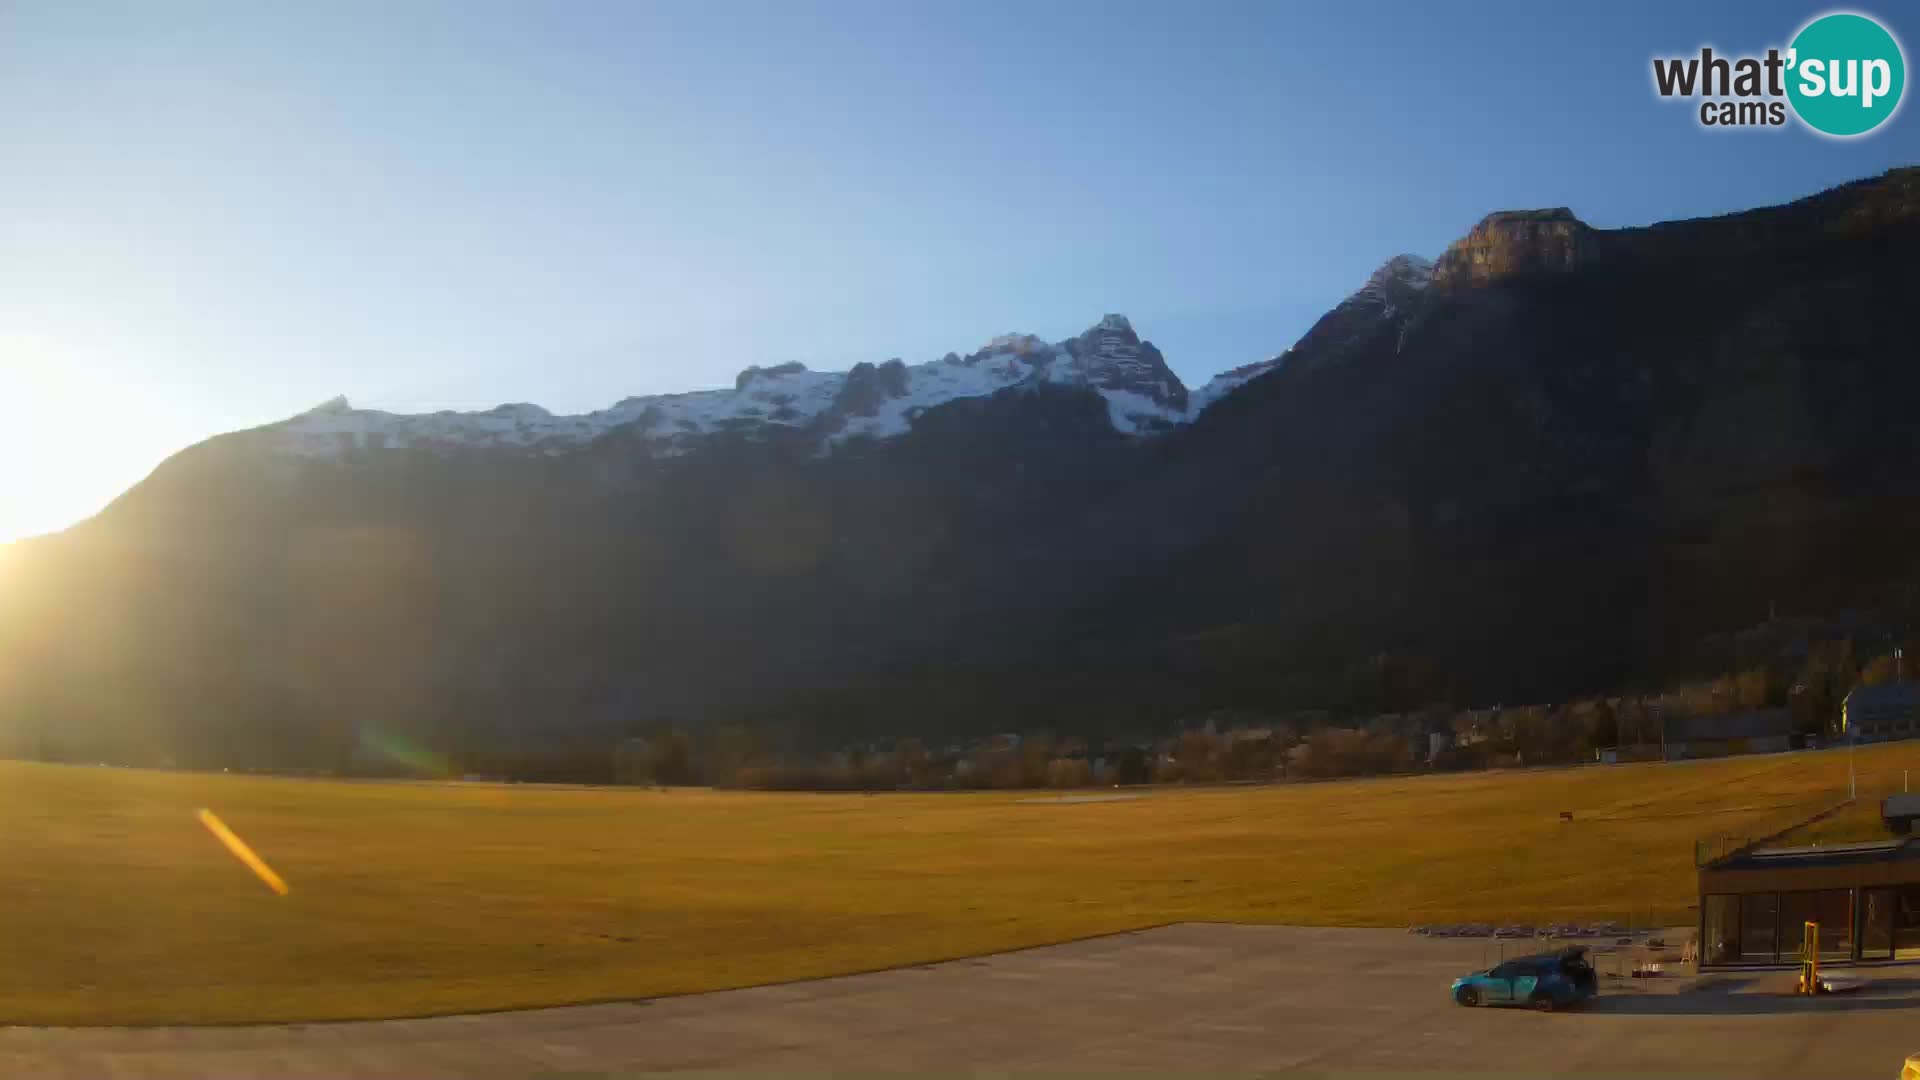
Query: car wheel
1542	1003
1467	996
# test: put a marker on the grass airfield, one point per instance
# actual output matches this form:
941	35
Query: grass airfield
410	899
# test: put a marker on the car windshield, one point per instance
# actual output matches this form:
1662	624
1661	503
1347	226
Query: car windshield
957	537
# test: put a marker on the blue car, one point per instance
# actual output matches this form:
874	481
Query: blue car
1546	982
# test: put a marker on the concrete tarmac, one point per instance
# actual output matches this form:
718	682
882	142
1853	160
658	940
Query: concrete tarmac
1191	999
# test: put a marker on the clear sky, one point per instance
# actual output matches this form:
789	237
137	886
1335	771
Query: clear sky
217	216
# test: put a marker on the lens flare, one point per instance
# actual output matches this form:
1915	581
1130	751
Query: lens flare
242	852
397	749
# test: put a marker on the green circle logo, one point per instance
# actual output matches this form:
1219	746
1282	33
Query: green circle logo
1846	75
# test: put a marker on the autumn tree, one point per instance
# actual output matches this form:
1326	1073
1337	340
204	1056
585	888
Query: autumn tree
915	762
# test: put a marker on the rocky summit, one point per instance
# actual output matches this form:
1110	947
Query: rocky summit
1517	242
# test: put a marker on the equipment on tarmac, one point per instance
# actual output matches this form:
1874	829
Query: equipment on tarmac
1811	980
1810	961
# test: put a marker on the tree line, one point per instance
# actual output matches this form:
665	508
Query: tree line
1385	714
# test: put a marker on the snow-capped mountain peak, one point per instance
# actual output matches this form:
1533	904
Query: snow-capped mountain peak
872	401
1129	372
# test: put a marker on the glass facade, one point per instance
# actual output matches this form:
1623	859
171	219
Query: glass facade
1759	928
1770	928
1905	903
1720	930
1796	910
1833	910
1876	924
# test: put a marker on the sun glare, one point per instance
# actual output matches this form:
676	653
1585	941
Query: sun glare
78	443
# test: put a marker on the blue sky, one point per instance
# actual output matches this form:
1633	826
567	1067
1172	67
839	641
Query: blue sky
216	216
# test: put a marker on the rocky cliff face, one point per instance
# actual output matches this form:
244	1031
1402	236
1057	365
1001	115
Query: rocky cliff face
1515	242
1118	362
1391	296
868	387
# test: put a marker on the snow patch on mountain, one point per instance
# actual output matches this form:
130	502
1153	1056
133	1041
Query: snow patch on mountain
1001	365
1227	382
871	402
789	398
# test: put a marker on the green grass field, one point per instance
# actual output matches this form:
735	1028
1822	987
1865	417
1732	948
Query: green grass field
116	906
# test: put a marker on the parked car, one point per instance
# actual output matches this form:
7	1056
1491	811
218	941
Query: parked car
1546	982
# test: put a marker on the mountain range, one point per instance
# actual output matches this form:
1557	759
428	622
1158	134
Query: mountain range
1547	462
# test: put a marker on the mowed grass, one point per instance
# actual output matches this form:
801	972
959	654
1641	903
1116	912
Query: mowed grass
1857	822
116	906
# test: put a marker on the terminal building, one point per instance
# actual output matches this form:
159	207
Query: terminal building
1881	713
1755	903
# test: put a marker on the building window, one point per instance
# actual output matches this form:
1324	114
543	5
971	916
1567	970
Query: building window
1876	924
1836	923
1831	908
1720	932
1796	910
1906	922
1759	919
